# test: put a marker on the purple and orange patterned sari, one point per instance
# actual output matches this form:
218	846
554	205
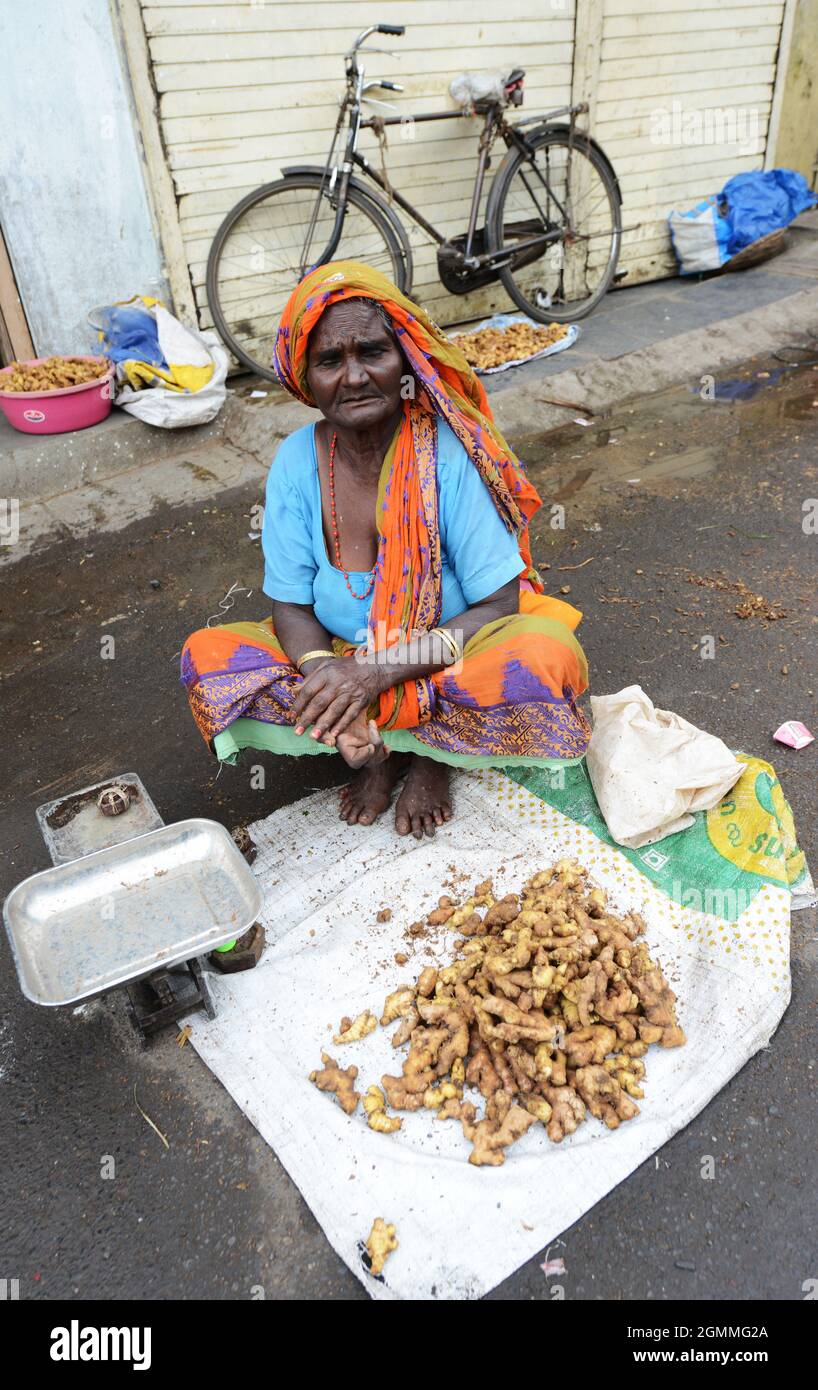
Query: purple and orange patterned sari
512	700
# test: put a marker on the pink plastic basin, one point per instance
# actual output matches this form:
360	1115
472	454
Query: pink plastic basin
69	408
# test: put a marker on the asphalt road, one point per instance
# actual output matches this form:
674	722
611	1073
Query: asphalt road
674	487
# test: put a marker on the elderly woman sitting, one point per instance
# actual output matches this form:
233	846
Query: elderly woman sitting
409	629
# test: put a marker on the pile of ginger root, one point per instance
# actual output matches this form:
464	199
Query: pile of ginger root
53	374
547	1009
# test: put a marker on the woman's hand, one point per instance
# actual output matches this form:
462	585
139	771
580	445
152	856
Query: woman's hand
334	695
360	744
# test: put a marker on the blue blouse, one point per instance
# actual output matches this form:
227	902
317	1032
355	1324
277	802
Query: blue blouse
479	555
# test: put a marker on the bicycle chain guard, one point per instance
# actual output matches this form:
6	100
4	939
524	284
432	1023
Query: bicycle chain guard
456	277
461	279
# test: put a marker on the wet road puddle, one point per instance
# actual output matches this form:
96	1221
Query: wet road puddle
677	436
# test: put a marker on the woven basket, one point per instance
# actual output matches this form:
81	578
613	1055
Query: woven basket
758	251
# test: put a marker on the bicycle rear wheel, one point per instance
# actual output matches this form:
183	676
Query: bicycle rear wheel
268	241
576	197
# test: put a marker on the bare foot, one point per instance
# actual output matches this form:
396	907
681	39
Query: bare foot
424	802
370	792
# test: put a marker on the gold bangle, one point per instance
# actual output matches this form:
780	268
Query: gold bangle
444	637
310	656
449	641
456	648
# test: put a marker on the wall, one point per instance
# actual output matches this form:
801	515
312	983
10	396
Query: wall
797	144
75	211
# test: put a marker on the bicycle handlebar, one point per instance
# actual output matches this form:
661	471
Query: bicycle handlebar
352	56
397	29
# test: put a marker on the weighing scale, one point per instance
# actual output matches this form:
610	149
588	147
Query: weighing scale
130	902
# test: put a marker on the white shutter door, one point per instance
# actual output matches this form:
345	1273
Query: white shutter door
683	98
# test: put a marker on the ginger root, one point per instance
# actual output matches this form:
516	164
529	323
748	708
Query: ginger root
339	1082
546	1008
568	1112
461	1110
591	1044
397	1004
374	1104
538	1107
436	1096
53	374
380	1244
427	979
406	1027
482	1073
628	1072
350	1032
399	1097
604	1096
444	910
503	1125
659	1005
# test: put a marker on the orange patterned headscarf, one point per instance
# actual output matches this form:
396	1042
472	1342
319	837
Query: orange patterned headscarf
407	591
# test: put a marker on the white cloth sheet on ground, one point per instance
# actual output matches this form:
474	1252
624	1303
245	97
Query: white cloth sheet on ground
461	1229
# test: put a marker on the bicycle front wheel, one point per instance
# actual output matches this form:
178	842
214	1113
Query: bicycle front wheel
269	240
571	193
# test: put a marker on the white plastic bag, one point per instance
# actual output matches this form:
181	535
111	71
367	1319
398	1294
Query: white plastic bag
472	87
650	769
169	409
699	238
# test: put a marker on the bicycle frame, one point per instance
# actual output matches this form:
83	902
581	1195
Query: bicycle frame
494	124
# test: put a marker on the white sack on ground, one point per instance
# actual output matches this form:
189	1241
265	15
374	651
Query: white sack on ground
650	768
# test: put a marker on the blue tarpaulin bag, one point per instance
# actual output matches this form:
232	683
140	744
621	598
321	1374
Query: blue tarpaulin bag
749	207
758	204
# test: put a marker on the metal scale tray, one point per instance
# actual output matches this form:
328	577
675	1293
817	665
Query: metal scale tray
129	910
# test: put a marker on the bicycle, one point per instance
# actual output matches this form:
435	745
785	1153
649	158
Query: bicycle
555	262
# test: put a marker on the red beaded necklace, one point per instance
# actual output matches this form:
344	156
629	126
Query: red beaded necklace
335	537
